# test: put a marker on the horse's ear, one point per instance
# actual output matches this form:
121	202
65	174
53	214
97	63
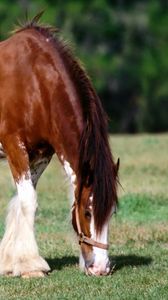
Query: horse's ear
117	165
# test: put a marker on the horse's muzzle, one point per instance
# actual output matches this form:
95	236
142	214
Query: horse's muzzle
98	270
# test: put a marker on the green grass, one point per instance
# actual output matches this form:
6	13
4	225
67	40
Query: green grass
138	233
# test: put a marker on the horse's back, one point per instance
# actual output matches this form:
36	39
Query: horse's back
23	75
37	97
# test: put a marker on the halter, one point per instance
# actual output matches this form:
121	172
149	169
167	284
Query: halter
82	237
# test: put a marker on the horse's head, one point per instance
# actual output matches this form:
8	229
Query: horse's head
94	244
90	219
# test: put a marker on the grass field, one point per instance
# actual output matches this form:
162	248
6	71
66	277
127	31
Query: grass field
138	233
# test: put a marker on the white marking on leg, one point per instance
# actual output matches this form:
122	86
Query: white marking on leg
27	198
18	249
72	177
69	171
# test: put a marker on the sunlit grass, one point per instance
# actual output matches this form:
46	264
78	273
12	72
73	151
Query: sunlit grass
138	233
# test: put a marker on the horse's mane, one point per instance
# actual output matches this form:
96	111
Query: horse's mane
96	167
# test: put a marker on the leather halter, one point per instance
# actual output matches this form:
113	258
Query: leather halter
82	237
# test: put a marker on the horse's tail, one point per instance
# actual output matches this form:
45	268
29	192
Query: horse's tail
96	166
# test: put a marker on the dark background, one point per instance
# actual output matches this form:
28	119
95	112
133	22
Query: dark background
124	47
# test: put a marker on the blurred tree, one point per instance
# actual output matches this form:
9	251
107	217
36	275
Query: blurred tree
154	69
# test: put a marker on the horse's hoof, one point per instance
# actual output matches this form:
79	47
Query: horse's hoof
33	274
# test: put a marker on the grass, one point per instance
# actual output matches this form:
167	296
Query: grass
138	233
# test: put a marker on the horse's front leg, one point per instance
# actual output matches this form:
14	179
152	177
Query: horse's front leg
19	254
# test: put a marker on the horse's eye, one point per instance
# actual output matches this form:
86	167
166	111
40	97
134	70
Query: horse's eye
88	214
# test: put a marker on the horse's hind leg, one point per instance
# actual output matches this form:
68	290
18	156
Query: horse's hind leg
18	249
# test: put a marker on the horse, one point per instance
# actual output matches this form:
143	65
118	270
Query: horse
48	105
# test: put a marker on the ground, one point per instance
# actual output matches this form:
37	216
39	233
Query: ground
138	233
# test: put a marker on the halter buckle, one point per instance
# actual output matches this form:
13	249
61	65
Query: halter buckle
81	238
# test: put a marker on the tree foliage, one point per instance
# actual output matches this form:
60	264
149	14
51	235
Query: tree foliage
124	47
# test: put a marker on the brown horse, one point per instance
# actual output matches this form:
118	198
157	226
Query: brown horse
48	105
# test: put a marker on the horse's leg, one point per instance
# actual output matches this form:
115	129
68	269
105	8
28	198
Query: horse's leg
18	249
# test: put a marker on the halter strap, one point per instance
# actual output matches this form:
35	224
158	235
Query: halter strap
82	237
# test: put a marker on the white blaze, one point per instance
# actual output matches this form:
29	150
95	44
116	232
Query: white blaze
100	255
